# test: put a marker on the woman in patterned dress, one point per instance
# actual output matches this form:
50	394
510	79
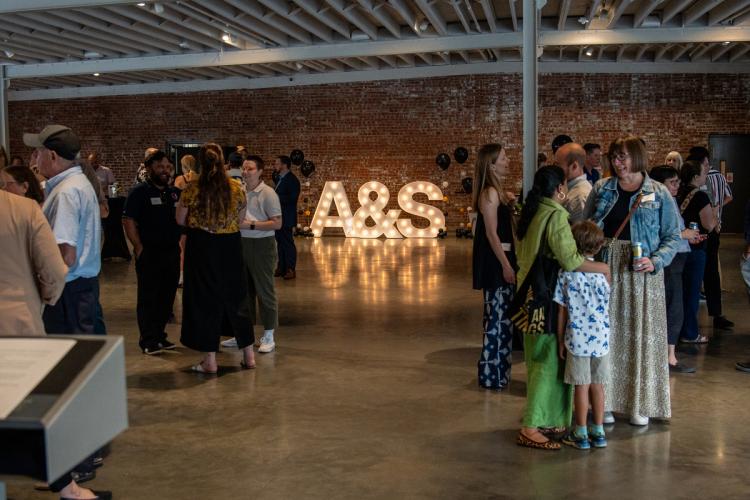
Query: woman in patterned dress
215	294
494	264
638	347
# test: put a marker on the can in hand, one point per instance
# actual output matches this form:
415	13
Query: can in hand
694	226
637	251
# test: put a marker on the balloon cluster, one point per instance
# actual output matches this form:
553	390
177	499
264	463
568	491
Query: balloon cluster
464	232
305	232
443	160
298	158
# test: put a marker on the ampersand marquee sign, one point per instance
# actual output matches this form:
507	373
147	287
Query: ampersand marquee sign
385	222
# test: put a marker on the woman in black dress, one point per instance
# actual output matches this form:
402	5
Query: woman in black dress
215	295
494	264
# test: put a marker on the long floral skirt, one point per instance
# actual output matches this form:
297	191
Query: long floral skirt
495	360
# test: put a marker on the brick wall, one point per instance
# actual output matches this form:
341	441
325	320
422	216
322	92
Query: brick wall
391	131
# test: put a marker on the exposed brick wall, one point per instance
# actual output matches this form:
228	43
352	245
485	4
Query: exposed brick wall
391	131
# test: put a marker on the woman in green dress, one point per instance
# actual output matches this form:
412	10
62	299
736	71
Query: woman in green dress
544	224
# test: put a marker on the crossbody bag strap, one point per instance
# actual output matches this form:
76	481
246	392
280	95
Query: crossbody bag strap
630	214
521	291
687	200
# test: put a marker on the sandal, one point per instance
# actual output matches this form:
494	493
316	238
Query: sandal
552	431
700	339
199	369
247	366
529	443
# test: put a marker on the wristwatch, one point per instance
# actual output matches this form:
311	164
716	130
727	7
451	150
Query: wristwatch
252	225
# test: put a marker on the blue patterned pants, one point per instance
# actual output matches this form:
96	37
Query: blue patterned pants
494	362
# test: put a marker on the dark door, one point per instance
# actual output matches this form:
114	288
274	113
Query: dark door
730	154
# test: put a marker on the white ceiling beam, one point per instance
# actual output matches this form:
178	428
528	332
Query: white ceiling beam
436	20
489	14
8	6
32	40
129	24
681	52
351	13
726	10
645	10
698	9
697	54
383	47
227	13
737	53
408	59
641	50
662	50
407	14
334	63
302	19
723	49
213	23
592	13
673	8
418	72
382	15
616	12
458	9
621	52
253	8
513	16
325	16
562	16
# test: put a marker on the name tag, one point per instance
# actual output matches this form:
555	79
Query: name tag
649	197
506	247
156	201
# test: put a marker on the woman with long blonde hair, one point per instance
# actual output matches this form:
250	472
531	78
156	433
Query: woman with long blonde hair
494	264
215	294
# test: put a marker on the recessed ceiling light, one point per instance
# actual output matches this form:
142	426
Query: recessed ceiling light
589	52
226	37
96	74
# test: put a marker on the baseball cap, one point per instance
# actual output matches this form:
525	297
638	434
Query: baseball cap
57	138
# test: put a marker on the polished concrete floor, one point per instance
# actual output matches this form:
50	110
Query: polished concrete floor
372	393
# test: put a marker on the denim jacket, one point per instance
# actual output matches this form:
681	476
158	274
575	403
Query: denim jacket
654	222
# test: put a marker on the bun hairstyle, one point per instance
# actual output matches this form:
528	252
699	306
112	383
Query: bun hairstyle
486	157
689	171
214	191
546	181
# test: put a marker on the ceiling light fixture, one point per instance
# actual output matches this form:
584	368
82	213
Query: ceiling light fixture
91	54
226	37
141	4
589	52
96	74
725	43
9	53
583	20
185	45
424	25
298	65
158	8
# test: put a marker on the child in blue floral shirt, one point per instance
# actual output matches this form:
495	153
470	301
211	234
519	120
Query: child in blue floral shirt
583	336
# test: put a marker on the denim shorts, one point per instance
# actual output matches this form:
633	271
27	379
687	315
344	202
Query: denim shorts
582	370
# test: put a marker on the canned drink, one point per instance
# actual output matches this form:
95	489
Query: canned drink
637	251
694	226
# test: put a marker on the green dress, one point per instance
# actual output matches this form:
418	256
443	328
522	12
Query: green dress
549	401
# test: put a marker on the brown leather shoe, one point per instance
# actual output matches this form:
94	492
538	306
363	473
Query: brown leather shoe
290	275
277	273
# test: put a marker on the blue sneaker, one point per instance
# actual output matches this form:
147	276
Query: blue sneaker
576	441
599	440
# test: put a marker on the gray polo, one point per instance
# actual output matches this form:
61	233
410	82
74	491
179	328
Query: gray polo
262	204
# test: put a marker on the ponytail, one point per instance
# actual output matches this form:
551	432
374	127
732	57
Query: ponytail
214	192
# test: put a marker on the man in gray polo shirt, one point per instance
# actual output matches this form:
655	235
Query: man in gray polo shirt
263	217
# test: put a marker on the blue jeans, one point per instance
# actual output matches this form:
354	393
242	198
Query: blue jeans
692	277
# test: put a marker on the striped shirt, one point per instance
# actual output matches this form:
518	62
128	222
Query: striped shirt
718	189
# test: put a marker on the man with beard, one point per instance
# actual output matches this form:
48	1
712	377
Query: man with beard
149	221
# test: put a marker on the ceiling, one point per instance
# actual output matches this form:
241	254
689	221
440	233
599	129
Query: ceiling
69	48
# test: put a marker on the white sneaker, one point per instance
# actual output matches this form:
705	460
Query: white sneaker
266	343
638	420
609	418
230	343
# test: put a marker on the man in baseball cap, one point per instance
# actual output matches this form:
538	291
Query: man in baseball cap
57	138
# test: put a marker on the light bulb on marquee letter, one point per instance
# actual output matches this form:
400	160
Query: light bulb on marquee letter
385	223
410	206
332	192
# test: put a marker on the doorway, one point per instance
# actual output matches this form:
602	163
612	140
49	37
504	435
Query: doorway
730	154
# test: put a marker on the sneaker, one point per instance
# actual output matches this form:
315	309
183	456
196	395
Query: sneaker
267	344
598	440
229	343
743	366
723	323
609	418
576	441
166	345
153	349
680	368
638	420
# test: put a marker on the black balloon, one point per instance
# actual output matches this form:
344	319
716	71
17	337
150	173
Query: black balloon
297	157
307	168
461	154
468	184
443	161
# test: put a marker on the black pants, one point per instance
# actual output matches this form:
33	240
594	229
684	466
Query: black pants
673	292
287	250
75	311
712	278
158	272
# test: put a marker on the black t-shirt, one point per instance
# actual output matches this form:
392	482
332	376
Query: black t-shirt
487	270
618	213
153	210
692	211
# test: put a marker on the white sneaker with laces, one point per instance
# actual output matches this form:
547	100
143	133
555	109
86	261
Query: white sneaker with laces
638	420
609	418
230	343
266	343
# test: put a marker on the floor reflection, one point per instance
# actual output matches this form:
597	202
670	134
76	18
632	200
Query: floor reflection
379	269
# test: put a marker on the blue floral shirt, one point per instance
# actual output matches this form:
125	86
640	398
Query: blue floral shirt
586	297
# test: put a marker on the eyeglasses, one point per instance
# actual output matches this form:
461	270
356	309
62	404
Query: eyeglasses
621	156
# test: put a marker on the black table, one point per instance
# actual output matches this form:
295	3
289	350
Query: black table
114	235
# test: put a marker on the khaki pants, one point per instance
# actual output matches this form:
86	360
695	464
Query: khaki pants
260	258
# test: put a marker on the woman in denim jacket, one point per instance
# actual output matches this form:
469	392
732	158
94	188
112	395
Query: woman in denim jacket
638	352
